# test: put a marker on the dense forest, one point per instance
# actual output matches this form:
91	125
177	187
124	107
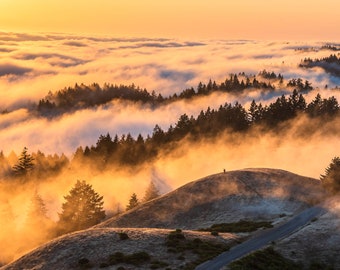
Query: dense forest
208	124
330	64
86	96
126	150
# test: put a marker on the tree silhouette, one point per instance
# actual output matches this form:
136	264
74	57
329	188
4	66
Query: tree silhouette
331	178
37	209
83	208
37	218
151	192
133	202
25	164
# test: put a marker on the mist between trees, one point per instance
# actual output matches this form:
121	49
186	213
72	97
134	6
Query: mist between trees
109	152
229	137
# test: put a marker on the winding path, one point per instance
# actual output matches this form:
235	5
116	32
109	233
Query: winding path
262	239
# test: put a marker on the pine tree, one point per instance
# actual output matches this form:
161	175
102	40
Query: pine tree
25	164
331	178
37	210
133	202
83	208
37	218
151	192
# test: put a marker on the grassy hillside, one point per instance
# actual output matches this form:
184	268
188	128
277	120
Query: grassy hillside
255	194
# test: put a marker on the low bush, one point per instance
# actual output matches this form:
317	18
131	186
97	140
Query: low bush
123	236
205	250
267	259
158	264
240	226
136	259
84	263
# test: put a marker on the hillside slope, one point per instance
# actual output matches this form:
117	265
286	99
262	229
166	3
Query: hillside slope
93	248
251	194
319	241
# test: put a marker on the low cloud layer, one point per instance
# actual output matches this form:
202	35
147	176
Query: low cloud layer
33	64
10	69
42	62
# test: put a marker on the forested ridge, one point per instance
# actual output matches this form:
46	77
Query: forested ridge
87	96
330	64
125	150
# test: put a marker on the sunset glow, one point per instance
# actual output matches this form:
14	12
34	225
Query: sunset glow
130	100
201	19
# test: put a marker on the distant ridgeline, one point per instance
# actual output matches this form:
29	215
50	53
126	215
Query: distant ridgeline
233	118
330	64
210	124
83	96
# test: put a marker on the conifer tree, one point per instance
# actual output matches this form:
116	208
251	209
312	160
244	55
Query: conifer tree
37	219
83	208
331	178
24	165
37	209
133	202
151	192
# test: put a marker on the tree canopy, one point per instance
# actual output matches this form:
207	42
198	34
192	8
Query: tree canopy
133	202
151	192
331	178
83	208
25	164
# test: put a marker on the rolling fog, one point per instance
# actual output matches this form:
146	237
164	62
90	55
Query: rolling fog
32	65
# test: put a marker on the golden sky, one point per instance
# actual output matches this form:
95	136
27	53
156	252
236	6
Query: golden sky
262	19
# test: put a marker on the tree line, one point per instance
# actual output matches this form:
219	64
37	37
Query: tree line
330	64
35	165
86	96
126	150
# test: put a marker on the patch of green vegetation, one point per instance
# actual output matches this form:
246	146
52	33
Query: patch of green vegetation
267	259
214	233
123	236
177	243
136	259
84	263
240	226
318	265
158	264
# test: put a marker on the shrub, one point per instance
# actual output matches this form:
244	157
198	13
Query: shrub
214	233
263	260
103	265
84	263
123	236
117	257
205	250
135	258
240	226
158	264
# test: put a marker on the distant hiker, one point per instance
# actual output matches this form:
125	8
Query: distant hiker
223	170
